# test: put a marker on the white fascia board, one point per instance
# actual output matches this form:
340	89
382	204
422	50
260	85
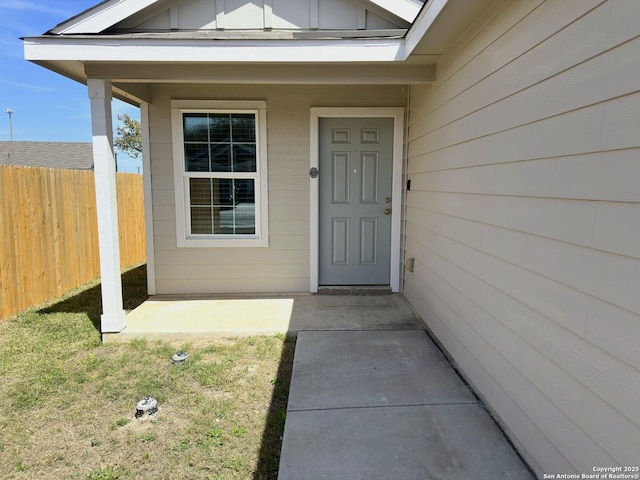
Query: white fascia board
425	19
111	50
407	10
102	16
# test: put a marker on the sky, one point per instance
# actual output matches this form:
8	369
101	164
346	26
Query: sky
46	106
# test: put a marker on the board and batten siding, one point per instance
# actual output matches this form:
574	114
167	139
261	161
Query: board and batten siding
524	221
283	266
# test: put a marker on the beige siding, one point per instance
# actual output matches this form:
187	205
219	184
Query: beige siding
284	265
524	220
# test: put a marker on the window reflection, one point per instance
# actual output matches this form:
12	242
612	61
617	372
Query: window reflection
220	142
222	206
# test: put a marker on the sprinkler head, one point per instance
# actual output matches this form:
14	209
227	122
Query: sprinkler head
147	407
180	357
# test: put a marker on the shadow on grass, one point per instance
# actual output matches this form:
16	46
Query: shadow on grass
134	287
89	301
269	458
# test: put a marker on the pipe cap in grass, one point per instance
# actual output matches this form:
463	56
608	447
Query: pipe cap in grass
180	357
146	408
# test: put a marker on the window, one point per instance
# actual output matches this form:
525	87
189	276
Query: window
220	169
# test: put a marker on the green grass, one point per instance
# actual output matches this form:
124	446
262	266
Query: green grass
68	403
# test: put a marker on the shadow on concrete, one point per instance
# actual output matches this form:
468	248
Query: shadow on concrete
89	301
269	457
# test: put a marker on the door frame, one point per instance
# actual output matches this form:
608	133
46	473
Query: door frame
397	114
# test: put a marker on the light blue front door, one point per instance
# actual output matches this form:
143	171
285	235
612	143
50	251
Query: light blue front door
356	167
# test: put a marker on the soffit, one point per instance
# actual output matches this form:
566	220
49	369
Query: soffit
453	19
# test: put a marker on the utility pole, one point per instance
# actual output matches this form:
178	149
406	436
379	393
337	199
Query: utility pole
10	112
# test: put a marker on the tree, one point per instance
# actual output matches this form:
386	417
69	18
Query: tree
127	138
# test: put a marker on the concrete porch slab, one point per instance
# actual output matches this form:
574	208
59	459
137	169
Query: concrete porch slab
184	317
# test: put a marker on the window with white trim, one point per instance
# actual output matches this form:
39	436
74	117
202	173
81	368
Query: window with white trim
221	175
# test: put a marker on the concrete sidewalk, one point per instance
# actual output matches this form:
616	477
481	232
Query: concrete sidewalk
386	405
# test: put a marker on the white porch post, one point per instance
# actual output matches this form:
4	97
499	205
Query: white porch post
113	315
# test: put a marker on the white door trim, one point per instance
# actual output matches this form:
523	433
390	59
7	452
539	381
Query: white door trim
397	113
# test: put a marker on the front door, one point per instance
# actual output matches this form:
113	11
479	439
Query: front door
356	167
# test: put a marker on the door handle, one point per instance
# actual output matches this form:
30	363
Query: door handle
387	211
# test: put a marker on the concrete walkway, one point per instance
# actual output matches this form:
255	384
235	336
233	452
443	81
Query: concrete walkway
371	404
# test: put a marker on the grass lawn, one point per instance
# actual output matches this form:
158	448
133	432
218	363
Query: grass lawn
68	402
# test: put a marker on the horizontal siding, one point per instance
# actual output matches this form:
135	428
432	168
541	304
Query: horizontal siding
229	285
166	243
230	271
222	257
606	76
581	41
610	277
548	177
284	265
607	375
524	220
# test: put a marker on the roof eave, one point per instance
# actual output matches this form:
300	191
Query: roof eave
101	16
42	49
423	22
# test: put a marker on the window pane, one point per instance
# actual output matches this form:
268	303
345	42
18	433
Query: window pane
245	207
244	158
220	126
195	127
201	220
222	206
223	211
244	127
196	156
200	191
222	191
221	157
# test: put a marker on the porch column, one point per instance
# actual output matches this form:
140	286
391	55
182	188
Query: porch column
113	315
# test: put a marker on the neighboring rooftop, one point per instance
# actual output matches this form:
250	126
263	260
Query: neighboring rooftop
73	155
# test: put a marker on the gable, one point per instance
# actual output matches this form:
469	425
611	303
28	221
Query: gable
258	15
127	16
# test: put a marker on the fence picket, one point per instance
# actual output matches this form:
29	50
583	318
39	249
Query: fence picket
48	232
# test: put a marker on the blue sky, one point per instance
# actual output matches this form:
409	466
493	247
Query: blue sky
47	106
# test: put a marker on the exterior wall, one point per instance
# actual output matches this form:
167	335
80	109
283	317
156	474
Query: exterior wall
524	221
284	265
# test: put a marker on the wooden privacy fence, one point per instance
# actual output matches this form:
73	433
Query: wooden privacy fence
49	233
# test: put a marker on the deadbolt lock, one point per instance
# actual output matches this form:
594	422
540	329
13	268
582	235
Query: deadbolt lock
387	200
